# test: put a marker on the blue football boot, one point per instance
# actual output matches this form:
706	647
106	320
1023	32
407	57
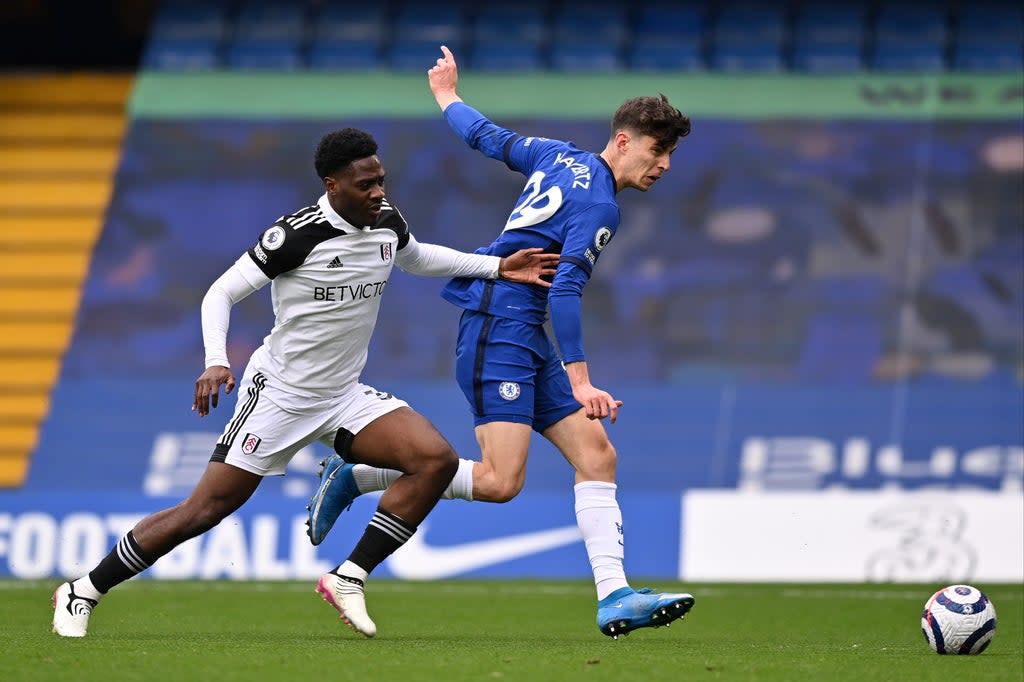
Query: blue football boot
336	492
625	610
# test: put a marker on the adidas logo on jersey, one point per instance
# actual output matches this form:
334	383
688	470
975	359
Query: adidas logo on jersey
336	263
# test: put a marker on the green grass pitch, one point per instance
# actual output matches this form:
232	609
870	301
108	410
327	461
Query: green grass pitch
458	630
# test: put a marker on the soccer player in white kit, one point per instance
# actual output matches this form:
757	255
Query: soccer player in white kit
328	265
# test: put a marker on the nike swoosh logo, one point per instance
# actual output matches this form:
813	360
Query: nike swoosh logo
416	560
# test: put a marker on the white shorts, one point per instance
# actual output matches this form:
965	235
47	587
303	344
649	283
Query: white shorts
270	425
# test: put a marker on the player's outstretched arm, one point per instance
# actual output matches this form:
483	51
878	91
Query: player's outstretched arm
444	78
215	314
529	266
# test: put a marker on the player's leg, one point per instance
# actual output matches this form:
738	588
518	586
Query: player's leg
495	369
501	471
585	444
383	432
240	460
222	489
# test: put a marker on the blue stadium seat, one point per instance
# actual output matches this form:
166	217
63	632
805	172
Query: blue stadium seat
908	55
829	37
661	21
829	22
343	22
276	21
844	338
999	21
345	55
988	36
830	56
918	22
747	56
748	37
988	55
668	36
199	54
840	348
515	55
519	22
586	56
429	22
285	55
653	54
191	21
591	23
742	22
415	55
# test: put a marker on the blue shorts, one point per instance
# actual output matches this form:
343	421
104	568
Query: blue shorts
509	371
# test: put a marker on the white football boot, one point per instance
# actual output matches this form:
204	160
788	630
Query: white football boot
346	595
71	611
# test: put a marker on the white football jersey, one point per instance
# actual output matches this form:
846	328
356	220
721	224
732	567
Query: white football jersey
327	278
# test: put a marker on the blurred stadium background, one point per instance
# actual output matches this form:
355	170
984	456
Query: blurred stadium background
815	320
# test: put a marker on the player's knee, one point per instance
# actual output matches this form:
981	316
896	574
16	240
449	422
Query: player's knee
441	462
504	490
600	464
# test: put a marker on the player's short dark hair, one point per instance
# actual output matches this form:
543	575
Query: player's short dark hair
340	148
652	116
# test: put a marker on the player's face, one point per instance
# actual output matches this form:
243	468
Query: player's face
357	191
645	161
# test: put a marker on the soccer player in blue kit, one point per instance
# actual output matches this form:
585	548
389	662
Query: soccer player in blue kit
508	368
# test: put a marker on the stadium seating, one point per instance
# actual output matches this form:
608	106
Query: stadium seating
74	123
186	54
832	36
190	21
345	55
668	37
510	22
586	57
344	38
506	56
509	37
986	55
829	38
989	37
910	38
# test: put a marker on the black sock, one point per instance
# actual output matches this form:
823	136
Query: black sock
382	537
124	561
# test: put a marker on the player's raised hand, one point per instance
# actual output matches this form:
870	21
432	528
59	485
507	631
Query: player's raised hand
208	388
444	78
529	266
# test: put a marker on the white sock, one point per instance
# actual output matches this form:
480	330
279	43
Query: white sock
600	522
352	570
371	479
84	588
461	487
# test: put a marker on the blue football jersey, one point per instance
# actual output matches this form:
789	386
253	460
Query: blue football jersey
567	207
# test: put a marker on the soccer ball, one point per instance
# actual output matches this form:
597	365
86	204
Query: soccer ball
959	619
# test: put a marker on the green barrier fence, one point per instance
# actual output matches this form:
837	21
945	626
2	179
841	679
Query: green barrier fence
390	95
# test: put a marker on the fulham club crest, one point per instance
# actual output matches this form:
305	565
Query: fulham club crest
385	252
251	442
